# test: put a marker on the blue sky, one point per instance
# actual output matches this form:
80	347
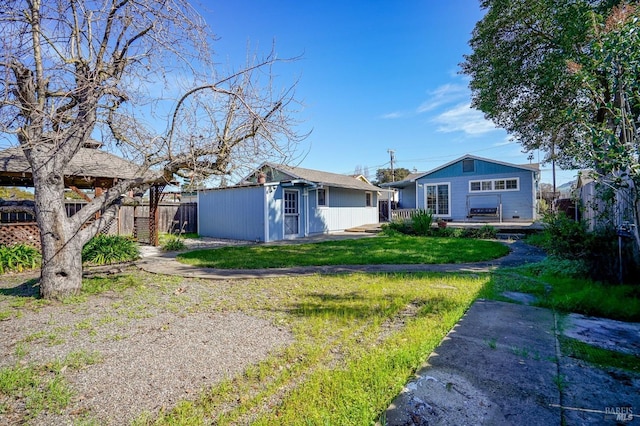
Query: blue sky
374	75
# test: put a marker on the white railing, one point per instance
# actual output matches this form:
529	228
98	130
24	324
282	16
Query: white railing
402	213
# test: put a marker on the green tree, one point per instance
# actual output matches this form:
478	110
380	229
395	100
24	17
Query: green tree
15	193
384	175
563	76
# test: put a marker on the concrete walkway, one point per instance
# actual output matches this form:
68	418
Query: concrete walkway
500	365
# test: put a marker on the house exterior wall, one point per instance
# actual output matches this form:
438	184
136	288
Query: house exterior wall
235	213
407	197
516	204
596	212
346	208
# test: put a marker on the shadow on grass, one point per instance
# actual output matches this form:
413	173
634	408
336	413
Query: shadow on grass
29	288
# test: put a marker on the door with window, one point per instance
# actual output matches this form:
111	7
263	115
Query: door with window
437	199
291	213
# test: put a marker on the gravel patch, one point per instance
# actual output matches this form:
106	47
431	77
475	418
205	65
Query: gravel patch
151	355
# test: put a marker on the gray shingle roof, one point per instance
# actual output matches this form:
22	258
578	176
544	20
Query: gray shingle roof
323	178
88	164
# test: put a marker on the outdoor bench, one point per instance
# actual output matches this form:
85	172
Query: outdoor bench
483	211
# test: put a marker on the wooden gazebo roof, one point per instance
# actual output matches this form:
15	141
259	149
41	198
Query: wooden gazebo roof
89	168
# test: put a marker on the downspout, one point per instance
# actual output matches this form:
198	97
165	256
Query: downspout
198	211
305	197
265	212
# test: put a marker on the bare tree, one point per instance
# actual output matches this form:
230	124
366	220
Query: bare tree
113	70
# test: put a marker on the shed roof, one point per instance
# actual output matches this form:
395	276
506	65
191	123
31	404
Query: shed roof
90	167
322	178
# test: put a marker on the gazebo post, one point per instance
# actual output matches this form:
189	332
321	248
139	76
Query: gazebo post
155	195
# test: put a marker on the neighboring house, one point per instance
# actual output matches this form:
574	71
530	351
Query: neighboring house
601	204
472	188
281	202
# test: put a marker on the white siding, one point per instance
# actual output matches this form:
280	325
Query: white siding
340	218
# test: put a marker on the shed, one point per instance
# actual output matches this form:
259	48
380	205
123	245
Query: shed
279	202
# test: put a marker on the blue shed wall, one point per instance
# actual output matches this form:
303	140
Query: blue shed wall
235	213
275	199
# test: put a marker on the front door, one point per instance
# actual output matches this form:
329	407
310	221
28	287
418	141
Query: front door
291	214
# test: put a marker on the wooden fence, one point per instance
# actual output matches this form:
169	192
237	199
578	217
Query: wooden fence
173	217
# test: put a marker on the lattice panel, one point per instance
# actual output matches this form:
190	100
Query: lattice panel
20	233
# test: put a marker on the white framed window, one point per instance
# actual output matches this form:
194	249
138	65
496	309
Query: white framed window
368	199
437	198
487	185
322	197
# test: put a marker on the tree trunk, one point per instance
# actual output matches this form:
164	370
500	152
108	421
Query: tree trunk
61	271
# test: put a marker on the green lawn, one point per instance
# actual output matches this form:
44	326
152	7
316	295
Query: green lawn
397	249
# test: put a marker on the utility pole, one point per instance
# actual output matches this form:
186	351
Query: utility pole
553	169
392	154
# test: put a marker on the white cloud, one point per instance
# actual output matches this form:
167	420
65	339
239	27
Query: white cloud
463	118
508	140
392	115
443	95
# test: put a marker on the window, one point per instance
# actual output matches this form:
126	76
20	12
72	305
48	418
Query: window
290	202
468	166
322	197
494	185
369	199
437	198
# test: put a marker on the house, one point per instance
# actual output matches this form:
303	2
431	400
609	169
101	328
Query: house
602	203
279	202
472	188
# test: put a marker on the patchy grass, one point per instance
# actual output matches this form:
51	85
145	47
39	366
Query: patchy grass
358	338
598	356
558	286
32	389
396	249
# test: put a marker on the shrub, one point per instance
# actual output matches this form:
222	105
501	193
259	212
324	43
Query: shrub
449	232
484	232
402	226
173	243
597	250
106	249
421	221
18	257
565	237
